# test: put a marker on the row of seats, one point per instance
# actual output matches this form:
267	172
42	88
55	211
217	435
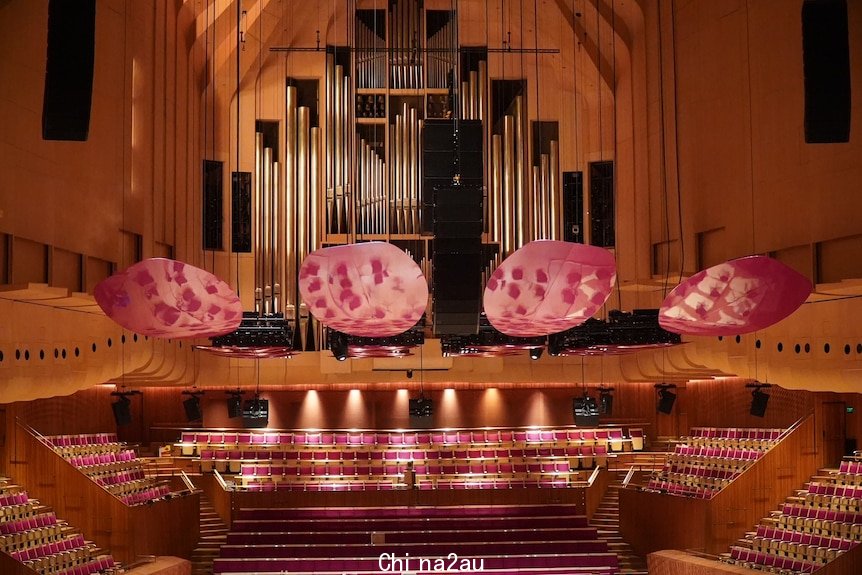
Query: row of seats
424	484
193	443
111	465
810	529
738	433
38	540
355	540
702	470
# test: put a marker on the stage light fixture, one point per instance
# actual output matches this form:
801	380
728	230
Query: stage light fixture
536	353
585	410
338	344
421	407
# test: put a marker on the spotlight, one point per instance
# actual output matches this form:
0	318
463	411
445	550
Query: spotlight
421	407
666	398
759	399
234	403
585	410
536	353
606	400
338	345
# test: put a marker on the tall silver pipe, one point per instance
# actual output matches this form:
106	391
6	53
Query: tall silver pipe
314	193
494	198
302	179
520	152
346	120
482	94
544	199
267	230
535	192
474	94
465	101
337	156
510	208
278	238
414	170
329	145
417	224
257	222
556	201
290	192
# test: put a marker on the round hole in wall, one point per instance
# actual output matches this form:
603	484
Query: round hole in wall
17	354
41	354
797	348
181	345
77	352
94	348
110	343
63	353
1	356
56	353
135	338
123	338
826	347
780	347
807	348
738	339
846	349
26	355
859	348
757	344
721	338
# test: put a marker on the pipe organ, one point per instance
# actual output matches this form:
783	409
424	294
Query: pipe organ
353	170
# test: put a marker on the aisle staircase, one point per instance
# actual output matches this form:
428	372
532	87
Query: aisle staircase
607	520
213	535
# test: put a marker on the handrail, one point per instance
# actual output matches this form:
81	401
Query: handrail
629	476
187	480
594	476
220	479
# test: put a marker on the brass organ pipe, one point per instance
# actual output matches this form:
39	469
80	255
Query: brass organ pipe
277	238
418	221
556	198
518	190
474	95
482	95
393	176
509	182
494	198
291	205
414	169
405	167
337	155
346	109
302	179
267	230
545	164
328	141
314	196
536	192
465	100
257	222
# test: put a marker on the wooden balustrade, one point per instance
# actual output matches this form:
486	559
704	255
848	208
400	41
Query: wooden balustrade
169	527
654	521
9	566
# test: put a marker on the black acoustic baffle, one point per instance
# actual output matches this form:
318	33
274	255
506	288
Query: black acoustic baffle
122	409
759	401
585	411
68	91
826	65
603	230
241	212
212	205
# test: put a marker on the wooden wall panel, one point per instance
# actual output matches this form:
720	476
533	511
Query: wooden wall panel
679	563
9	566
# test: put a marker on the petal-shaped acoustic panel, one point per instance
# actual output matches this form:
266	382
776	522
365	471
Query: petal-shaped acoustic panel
548	286
738	296
370	289
165	298
244	352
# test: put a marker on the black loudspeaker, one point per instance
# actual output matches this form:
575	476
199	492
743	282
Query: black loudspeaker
573	207
666	400
212	205
122	411
826	64
602	214
255	413
69	70
240	212
192	405
586	411
759	400
234	406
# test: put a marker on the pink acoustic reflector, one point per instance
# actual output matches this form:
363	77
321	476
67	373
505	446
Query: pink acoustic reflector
735	297
166	298
245	352
548	286
370	289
